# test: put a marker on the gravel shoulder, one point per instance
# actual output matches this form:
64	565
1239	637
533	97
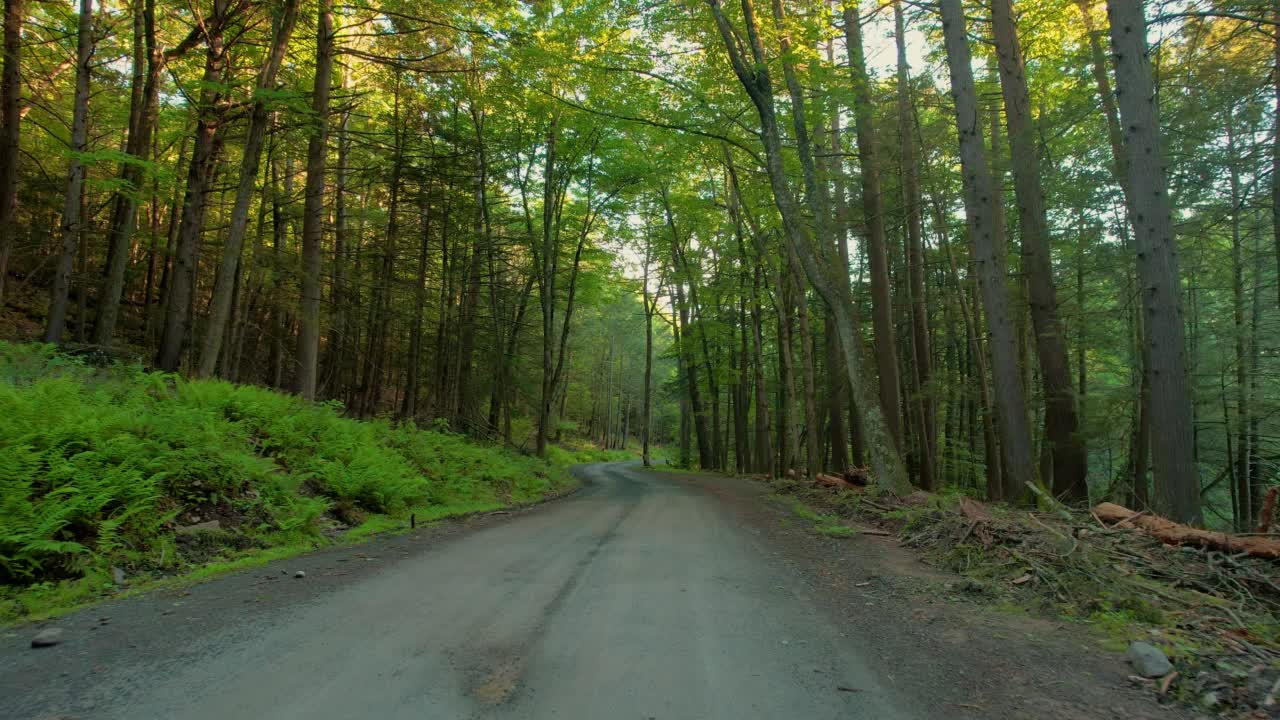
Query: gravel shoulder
649	595
970	660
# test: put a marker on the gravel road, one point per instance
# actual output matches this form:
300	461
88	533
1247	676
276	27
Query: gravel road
638	597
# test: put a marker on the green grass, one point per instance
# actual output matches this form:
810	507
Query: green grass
100	466
828	525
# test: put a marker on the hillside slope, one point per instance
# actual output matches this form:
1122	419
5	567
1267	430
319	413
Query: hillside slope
112	476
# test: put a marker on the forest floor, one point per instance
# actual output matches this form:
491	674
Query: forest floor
655	595
1213	613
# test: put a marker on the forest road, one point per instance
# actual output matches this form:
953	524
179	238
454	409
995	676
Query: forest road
637	597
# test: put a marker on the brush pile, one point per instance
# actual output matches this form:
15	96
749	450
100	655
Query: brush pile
1210	601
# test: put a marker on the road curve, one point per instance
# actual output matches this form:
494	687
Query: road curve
638	597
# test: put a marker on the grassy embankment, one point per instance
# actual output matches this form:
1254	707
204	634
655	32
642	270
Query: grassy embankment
105	471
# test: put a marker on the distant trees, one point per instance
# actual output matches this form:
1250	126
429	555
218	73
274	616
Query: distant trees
744	229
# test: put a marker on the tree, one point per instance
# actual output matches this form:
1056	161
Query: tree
313	212
233	247
60	290
1062	423
979	201
1177	481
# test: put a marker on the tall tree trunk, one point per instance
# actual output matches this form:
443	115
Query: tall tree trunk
409	404
70	226
1176	477
10	130
1275	152
754	76
979	195
380	301
812	431
547	264
763	442
873	212
313	208
1062	422
912	202
341	331
1245	511
706	455
650	308
143	113
233	247
204	158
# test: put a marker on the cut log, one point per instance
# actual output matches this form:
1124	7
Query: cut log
826	480
1174	533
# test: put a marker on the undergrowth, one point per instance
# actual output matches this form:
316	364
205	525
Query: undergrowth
114	471
1216	615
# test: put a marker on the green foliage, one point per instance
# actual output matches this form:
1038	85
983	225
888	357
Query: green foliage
98	467
823	524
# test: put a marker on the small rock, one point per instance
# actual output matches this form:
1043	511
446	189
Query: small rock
207	526
117	575
300	574
47	637
1148	660
1209	700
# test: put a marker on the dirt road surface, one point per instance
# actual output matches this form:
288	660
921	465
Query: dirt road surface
646	595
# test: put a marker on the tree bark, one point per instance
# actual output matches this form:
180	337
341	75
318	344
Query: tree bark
313	208
1062	422
1176	476
755	79
912	202
886	352
10	129
71	221
204	158
979	196
233	247
143	112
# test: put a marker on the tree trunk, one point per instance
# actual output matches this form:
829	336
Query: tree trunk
10	127
204	158
143	111
979	195
873	211
313	208
650	308
812	431
754	77
1245	512
1176	477
706	456
912	201
233	248
409	405
1062	421
70	226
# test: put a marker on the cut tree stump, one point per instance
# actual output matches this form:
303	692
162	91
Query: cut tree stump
1173	533
1268	514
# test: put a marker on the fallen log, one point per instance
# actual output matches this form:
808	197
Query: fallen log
834	481
1172	533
